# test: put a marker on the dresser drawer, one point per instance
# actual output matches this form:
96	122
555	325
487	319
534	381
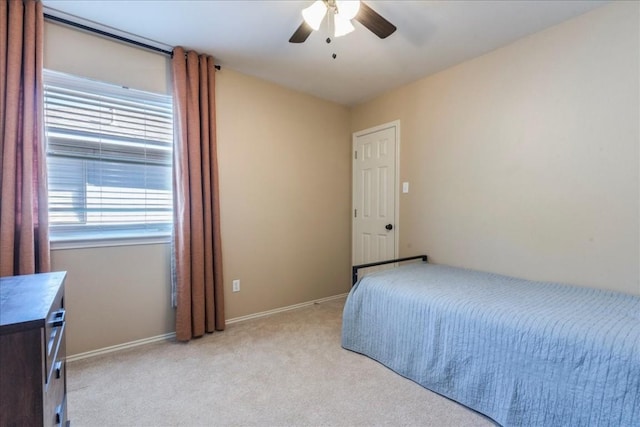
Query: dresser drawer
55	387
58	354
61	414
54	330
54	401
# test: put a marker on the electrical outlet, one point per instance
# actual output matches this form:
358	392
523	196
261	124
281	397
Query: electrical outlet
236	285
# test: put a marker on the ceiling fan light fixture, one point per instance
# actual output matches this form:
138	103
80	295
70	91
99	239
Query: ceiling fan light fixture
340	14
348	9
342	25
314	14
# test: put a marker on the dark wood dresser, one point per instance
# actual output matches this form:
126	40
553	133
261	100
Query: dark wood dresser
33	379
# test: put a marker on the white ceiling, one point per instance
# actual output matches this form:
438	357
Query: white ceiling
252	37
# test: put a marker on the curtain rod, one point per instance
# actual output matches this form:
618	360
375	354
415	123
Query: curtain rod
110	35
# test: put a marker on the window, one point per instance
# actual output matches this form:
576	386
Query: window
109	158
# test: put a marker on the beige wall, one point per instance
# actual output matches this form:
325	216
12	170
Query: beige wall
285	170
84	54
284	161
115	295
525	161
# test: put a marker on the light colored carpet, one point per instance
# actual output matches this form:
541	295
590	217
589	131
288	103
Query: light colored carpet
287	369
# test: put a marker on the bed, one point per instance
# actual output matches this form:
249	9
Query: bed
523	353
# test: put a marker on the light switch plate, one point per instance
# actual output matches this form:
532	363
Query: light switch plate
405	187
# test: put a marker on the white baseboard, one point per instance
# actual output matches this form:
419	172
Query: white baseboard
280	310
119	347
172	335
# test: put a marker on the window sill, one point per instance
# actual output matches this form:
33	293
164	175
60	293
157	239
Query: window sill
101	242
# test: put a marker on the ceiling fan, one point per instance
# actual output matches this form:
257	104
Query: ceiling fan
340	13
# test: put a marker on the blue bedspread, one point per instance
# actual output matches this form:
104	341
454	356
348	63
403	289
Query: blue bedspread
523	353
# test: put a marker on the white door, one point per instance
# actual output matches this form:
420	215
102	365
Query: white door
374	194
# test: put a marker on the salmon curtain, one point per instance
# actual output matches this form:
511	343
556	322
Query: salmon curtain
197	248
24	230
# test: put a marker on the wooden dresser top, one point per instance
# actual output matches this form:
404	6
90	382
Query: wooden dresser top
28	298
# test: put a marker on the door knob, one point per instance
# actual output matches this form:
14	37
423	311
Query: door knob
389	227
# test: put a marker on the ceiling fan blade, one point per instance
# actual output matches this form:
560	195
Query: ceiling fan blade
374	22
301	33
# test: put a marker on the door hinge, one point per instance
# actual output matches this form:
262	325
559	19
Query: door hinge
355	155
355	213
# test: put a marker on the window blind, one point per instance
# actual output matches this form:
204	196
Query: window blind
109	158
